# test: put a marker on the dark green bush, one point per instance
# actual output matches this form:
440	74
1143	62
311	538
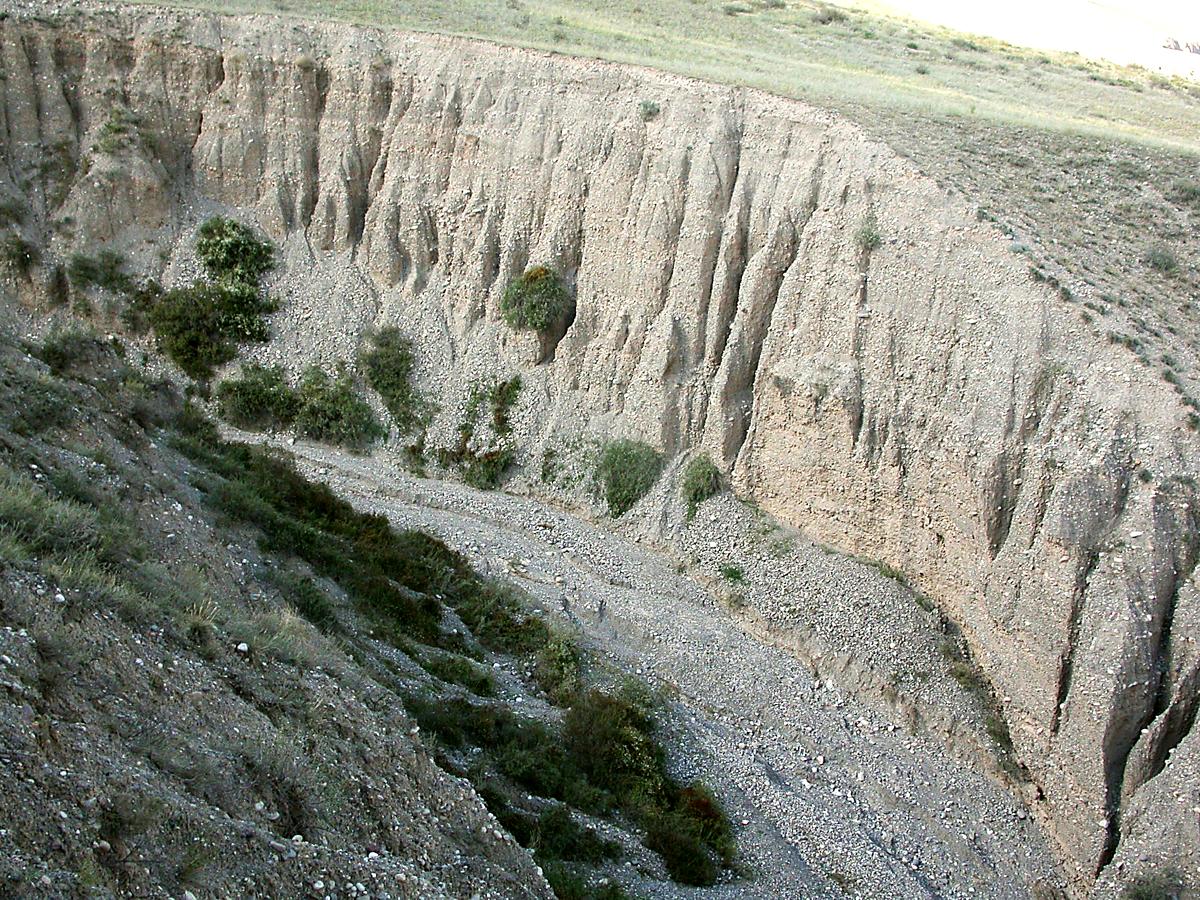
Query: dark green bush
568	885
104	270
308	599
199	327
499	620
458	670
388	364
556	670
392	577
486	470
260	398
537	300
332	410
232	253
559	836
17	255
676	838
701	480
868	237
626	471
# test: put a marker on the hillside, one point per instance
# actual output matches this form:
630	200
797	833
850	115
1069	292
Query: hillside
619	292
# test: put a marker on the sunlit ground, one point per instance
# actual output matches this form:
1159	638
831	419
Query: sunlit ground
1123	31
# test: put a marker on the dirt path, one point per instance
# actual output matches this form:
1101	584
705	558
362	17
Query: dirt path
832	798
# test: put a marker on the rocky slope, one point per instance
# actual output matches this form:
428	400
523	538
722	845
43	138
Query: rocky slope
916	399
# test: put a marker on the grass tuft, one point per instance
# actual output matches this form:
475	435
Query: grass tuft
701	480
625	472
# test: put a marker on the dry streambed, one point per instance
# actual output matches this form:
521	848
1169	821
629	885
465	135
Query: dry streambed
832	795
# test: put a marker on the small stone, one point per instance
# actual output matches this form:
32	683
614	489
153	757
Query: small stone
243	647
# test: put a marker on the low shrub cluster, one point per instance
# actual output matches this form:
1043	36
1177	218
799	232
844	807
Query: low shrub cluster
200	326
17	255
484	469
605	760
322	408
260	398
232	253
105	270
625	472
701	480
536	300
388	363
331	410
394	578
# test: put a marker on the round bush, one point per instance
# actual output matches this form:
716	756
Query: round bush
535	301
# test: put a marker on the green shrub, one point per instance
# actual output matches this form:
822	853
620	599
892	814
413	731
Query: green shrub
17	255
701	480
332	410
1162	259
556	669
42	523
501	398
559	836
65	348
260	398
677	840
388	364
868	237
609	737
536	300
392	577
625	471
733	573
232	253
494	612
486	470
199	327
568	885
1157	886
647	110
455	669
306	597
104	270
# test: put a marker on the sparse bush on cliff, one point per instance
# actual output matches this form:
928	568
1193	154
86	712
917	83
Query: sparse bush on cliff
388	362
535	301
868	237
260	398
625	472
201	326
701	480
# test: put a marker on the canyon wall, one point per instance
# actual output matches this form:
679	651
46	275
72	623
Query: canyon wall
920	401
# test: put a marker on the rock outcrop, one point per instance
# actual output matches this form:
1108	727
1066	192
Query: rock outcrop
916	398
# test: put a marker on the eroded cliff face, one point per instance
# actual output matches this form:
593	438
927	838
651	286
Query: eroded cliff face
922	401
